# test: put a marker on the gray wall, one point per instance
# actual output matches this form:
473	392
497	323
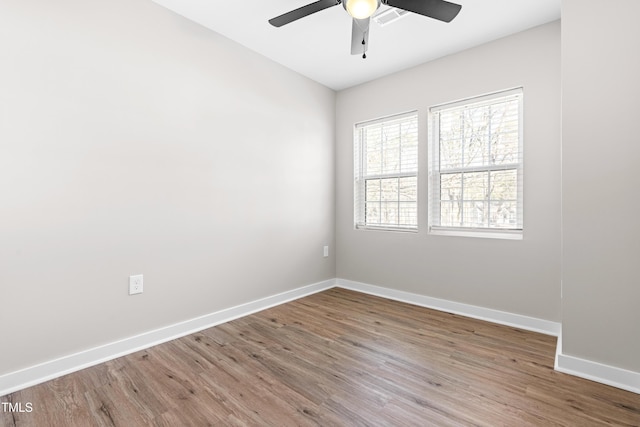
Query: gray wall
135	142
521	277
600	153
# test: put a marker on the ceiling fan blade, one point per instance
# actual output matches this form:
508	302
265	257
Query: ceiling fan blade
359	34
303	11
436	9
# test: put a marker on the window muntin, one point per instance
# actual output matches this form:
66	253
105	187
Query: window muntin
476	164
386	173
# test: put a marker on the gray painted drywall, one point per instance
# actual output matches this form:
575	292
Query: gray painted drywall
133	141
521	277
600	152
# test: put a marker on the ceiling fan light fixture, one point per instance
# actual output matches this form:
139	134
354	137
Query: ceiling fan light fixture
361	9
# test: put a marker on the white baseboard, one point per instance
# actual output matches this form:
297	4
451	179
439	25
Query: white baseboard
14	381
609	375
495	316
46	371
598	372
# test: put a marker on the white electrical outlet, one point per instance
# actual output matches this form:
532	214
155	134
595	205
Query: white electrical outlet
135	284
326	251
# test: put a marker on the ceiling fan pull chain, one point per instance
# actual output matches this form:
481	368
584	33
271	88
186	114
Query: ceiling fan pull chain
364	49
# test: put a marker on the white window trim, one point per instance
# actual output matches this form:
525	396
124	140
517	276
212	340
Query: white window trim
359	183
434	171
506	234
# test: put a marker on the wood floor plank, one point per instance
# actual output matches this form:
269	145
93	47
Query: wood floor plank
334	358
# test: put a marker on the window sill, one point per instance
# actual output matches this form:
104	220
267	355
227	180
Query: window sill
383	228
482	233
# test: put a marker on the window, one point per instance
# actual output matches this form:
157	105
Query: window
475	183
386	173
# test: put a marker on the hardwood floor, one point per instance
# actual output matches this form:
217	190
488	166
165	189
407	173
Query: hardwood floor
333	358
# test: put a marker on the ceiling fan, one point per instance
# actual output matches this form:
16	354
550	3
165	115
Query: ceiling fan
362	10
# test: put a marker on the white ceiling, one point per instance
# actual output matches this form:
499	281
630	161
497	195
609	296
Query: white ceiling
318	46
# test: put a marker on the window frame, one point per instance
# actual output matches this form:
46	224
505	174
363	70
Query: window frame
435	170
361	178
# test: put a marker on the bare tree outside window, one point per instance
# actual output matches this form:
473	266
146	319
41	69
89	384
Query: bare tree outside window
386	173
476	165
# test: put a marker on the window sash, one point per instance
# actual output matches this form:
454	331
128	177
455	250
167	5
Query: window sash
386	153
466	224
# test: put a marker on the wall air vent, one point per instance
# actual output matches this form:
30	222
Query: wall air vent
387	16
